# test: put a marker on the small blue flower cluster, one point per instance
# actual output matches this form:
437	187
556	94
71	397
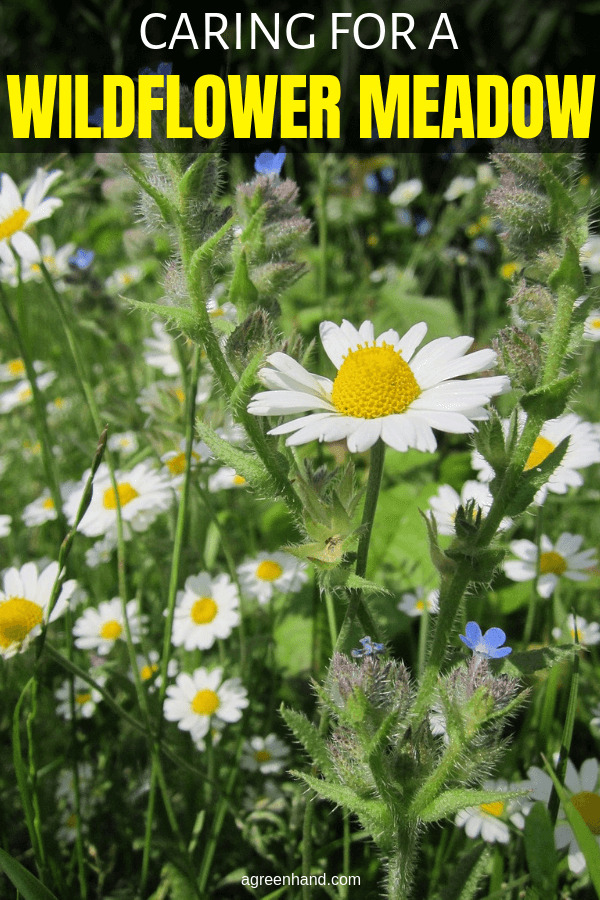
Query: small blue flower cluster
369	648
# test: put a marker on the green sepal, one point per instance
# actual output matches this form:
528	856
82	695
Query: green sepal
309	737
204	254
27	885
552	398
245	464
540	852
452	801
443	563
195	183
345	578
491	443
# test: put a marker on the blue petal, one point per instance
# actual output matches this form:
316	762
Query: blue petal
494	637
269	163
473	632
502	651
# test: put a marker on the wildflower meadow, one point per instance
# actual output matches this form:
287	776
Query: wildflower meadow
299	525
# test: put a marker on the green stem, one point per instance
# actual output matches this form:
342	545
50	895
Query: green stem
40	413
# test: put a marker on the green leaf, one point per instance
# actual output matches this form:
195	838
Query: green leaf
585	839
551	399
569	274
242	291
372	814
30	887
245	464
529	661
542	859
530	482
181	316
309	737
450	802
292	639
467	873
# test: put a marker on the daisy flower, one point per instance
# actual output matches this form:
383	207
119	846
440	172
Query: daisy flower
5	523
588	633
194	699
21	393
24	601
444	505
123	278
161	353
15	369
143	494
174	460
269	572
124	442
415	604
206	609
585	796
591	326
224	479
265	755
405	192
589	255
488	645
85	697
226	312
490	820
583	450
459	186
148	668
99	629
16	214
383	389
56	262
40	510
102	551
562	559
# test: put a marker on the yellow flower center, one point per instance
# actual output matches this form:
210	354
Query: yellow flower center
205	703
204	610
508	269
176	465
111	630
179	394
24	394
262	756
587	805
239	479
420	605
217	313
126	493
269	570
15	367
48	503
552	563
126	278
13	223
83	698
539	452
373	382
496	808
18	617
594	324
147	671
59	402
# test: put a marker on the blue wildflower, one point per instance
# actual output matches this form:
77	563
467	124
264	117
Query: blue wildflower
369	648
482	245
82	259
269	163
422	226
372	183
387	174
97	117
163	69
403	216
488	644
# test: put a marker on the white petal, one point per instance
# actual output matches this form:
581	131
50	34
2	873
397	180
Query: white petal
335	342
411	340
367	433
